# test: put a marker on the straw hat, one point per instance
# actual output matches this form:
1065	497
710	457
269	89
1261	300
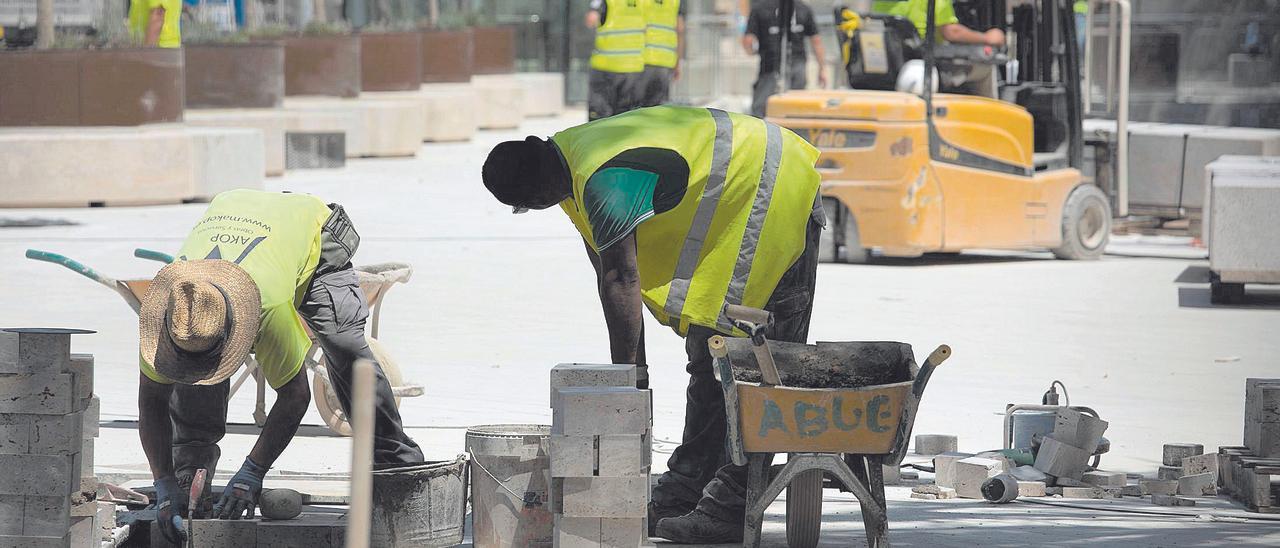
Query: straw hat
198	320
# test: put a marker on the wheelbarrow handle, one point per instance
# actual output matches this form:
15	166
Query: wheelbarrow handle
741	313
935	359
72	264
151	255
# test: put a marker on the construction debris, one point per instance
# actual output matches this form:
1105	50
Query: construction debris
944	468
47	489
1175	452
1000	489
600	456
1171	500
1101	478
935	491
971	473
1031	489
1159	487
1167	472
1262	417
1090	493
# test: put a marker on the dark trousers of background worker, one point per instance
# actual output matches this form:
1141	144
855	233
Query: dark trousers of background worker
610	93
335	309
769	83
657	86
699	472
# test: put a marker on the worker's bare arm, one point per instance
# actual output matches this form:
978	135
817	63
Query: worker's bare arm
155	429
679	46
155	23
618	277
282	423
749	43
820	53
960	34
592	19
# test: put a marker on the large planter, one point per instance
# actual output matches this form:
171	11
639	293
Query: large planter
107	87
390	61
235	75
495	50
447	55
322	65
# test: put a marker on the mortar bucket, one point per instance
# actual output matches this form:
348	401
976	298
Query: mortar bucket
420	505
510	506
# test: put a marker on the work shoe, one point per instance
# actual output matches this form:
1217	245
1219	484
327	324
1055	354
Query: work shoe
658	513
698	527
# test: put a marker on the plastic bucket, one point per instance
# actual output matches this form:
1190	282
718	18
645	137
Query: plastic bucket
511	466
420	505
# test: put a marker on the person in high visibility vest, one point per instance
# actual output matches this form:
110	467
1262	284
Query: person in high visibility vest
253	269
616	80
155	23
663	49
682	210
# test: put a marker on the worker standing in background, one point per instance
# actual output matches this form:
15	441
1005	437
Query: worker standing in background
254	263
683	210
1081	10
155	23
663	49
616	79
764	36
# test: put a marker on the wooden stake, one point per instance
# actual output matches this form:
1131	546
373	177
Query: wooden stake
361	511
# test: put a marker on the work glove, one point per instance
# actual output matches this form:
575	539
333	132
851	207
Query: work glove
240	497
170	502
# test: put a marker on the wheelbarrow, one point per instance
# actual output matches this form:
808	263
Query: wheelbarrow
847	431
375	281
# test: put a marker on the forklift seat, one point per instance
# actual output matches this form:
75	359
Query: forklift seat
872	63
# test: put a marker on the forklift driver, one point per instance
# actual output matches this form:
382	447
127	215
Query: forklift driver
977	79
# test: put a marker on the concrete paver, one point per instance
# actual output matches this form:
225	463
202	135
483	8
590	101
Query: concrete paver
497	300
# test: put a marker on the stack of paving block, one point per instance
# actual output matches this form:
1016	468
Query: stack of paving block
1065	453
44	394
1247	472
601	438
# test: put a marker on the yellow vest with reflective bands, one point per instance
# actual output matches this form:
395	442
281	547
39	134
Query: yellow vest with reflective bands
620	40
740	225
660	38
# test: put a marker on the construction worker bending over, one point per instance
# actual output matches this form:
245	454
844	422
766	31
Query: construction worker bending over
616	80
252	265
663	49
683	210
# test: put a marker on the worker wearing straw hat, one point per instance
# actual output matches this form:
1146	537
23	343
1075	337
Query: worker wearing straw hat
255	266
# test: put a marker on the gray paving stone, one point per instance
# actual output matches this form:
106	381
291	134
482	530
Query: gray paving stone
56	434
625	455
971	472
224	533
39	394
596	411
25	353
39	475
46	516
944	468
1175	452
626	497
573	456
576	375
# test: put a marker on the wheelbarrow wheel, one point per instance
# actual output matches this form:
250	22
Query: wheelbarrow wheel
326	400
804	510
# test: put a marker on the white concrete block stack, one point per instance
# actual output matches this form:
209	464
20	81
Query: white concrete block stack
1262	417
1066	452
44	394
601	439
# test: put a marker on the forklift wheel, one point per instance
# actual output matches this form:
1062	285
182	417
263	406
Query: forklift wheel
840	241
1086	224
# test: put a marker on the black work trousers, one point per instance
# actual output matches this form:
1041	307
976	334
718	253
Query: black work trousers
699	473
769	83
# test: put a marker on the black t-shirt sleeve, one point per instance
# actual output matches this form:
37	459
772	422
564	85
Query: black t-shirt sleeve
754	24
805	17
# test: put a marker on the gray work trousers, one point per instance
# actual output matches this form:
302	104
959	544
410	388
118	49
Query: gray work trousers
335	309
699	473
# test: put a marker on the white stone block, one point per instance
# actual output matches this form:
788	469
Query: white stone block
46	515
1243	243
577	532
1198	485
1090	493
1205	148
1169	472
622	532
452	112
92	417
625	497
1159	487
1061	460
374	127
84	532
272	122
936	444
1201	464
86	458
1175	452
971	472
1262	417
11	509
944	468
56	434
1031	489
1100	478
27	353
543	93
1170	500
63	541
1078	429
601	410
106	519
625	455
501	99
580	375
38	394
573	456
935	491
81	365
40	475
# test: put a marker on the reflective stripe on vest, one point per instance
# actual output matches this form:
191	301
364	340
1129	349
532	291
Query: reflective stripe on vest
738	227
619	45
661	39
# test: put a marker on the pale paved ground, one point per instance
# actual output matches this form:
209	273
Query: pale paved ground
498	299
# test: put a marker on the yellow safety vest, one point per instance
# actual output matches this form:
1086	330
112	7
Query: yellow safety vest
660	38
620	40
740	225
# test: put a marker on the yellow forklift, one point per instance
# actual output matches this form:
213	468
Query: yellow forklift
911	173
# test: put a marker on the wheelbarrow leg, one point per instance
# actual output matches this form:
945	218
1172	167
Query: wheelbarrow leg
876	523
757	481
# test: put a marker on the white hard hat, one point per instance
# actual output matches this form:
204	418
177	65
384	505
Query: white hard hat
911	77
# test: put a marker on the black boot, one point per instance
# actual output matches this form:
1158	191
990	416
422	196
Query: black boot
698	527
658	513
